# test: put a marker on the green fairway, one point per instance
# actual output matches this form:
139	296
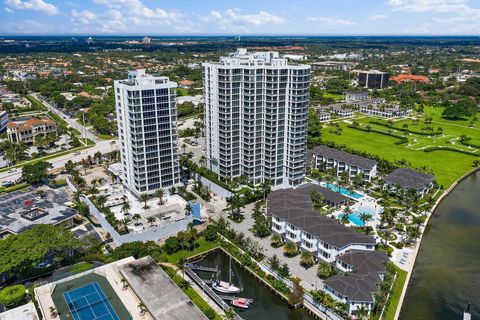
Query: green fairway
446	165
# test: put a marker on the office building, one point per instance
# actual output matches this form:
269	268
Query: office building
256	117
3	120
372	79
147	129
27	131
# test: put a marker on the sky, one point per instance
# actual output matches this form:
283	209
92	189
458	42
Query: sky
240	17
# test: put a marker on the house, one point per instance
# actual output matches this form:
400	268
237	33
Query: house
409	179
27	131
323	116
294	219
362	271
353	96
343	161
185	84
341	110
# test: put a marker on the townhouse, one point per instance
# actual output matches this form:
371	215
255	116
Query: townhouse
409	179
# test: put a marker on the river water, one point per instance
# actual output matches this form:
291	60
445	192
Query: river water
446	275
266	305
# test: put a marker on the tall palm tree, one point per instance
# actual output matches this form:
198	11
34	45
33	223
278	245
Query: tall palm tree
188	209
151	220
229	314
181	265
126	207
325	270
136	217
101	201
276	239
365	217
144	197
83	208
159	193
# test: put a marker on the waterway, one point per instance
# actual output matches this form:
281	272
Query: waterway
446	275
266	305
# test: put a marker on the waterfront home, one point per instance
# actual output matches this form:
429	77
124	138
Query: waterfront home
342	161
362	273
409	179
294	219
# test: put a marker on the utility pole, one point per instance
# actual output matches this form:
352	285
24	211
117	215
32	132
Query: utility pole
84	129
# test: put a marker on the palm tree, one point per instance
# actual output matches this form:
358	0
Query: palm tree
318	296
365	217
125	207
325	270
362	313
144	197
159	193
136	217
230	314
188	209
142	309
276	240
307	259
83	209
124	283
125	222
181	265
151	220
290	249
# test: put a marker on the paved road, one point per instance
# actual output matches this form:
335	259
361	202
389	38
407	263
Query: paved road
71	122
104	146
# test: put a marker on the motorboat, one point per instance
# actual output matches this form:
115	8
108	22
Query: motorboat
241	303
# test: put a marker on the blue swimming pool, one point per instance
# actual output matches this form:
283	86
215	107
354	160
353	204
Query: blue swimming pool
355	216
343	191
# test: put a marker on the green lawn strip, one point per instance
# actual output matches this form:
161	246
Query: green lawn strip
440	162
395	294
190	292
51	156
80	267
105	136
21	186
201	245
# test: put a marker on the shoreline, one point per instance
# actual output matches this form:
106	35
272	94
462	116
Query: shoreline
432	211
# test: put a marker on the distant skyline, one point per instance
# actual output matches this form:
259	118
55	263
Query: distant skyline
264	17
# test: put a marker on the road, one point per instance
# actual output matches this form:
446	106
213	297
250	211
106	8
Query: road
104	146
71	122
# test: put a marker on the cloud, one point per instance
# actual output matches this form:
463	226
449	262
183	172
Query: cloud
438	6
378	17
25	27
234	19
35	5
334	22
136	8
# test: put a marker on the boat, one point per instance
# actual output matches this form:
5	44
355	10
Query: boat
241	303
466	313
226	287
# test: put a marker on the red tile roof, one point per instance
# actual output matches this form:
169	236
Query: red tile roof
410	77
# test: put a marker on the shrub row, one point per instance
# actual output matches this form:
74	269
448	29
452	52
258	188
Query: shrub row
401	141
440	148
404	129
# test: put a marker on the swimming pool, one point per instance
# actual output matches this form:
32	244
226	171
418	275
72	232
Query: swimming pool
355	216
343	191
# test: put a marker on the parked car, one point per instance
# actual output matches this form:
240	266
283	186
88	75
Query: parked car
7	183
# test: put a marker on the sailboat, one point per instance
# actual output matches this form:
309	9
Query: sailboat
226	287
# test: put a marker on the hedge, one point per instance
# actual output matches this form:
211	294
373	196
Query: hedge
401	141
13	296
404	129
465	142
441	148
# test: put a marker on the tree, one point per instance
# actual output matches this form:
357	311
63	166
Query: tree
188	209
306	259
142	308
125	207
172	245
159	193
230	314
144	197
274	262
181	265
317	199
276	240
325	270
13	296
151	220
36	173
296	296
83	209
210	233
365	217
290	249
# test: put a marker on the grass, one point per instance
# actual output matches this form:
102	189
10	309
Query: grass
447	166
395	294
336	96
21	186
80	267
190	292
105	136
201	245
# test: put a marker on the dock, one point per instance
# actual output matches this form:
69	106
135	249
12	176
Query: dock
202	268
209	291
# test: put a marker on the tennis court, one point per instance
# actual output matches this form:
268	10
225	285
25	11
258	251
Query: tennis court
89	303
89	297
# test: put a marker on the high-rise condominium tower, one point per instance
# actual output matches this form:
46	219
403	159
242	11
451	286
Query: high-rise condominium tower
147	128
256	117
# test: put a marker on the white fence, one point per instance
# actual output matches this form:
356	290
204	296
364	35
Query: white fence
150	234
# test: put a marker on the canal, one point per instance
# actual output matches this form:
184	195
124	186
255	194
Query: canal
266	305
447	272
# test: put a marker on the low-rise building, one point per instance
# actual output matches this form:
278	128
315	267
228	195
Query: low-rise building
384	111
343	161
323	116
341	110
185	84
353	96
27	131
362	273
294	219
409	78
409	179
332	65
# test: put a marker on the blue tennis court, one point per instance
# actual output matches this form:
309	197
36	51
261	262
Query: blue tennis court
89	303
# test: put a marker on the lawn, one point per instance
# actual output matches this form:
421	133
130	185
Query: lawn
395	294
80	267
446	165
105	136
201	245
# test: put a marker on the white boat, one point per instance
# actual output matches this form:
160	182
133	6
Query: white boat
226	287
241	303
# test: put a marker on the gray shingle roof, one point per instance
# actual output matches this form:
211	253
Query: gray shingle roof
295	206
408	178
343	156
360	285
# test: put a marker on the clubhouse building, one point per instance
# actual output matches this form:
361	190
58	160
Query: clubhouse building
409	179
342	161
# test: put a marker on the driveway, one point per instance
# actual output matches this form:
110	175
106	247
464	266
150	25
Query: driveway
308	277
